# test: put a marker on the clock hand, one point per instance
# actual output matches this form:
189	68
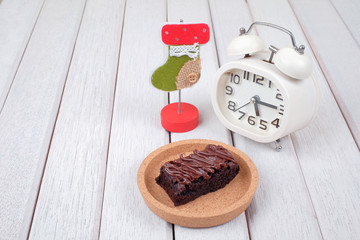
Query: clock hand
266	104
255	100
256	109
241	107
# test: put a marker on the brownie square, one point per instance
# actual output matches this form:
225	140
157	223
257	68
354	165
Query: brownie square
188	178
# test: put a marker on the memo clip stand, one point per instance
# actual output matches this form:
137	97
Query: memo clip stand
181	70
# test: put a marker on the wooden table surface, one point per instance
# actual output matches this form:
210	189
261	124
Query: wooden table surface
79	115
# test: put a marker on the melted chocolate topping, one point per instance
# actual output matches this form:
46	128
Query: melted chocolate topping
198	164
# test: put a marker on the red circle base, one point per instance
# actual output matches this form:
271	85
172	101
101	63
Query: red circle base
185	121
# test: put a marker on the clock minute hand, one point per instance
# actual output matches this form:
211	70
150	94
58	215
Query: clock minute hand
241	107
266	104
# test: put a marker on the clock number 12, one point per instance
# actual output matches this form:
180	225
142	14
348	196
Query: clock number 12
255	78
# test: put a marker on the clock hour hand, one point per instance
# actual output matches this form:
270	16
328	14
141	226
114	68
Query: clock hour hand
255	100
266	104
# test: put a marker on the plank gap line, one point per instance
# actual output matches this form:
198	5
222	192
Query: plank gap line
305	183
173	231
246	211
54	126
255	29
247	223
111	121
213	34
347	27
168	101
21	58
167	11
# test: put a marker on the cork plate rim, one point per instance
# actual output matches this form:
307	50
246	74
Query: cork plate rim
203	211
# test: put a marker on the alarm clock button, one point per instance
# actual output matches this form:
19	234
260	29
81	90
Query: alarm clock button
245	44
293	64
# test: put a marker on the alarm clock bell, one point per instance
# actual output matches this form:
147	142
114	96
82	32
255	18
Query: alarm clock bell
293	63
245	44
290	61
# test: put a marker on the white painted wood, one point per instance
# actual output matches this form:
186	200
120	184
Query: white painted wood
328	156
209	126
17	19
28	117
334	175
227	18
136	130
281	208
338	54
76	164
282	193
308	191
349	13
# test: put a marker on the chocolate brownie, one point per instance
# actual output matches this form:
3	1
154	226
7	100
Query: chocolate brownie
188	178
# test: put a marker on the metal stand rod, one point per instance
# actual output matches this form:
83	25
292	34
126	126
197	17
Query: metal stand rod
179	103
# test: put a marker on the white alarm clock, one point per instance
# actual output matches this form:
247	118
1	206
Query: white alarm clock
266	94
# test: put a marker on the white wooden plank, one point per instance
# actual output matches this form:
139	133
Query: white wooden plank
70	200
281	203
338	54
327	153
281	208
136	130
333	174
27	119
17	19
349	13
227	18
209	126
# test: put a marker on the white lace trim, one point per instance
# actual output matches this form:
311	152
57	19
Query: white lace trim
190	50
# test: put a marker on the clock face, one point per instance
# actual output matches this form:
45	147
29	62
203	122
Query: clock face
251	102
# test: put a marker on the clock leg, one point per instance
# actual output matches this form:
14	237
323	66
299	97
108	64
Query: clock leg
278	146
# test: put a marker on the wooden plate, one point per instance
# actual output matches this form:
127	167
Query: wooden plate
208	210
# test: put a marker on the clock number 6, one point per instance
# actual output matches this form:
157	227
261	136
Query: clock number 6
251	120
